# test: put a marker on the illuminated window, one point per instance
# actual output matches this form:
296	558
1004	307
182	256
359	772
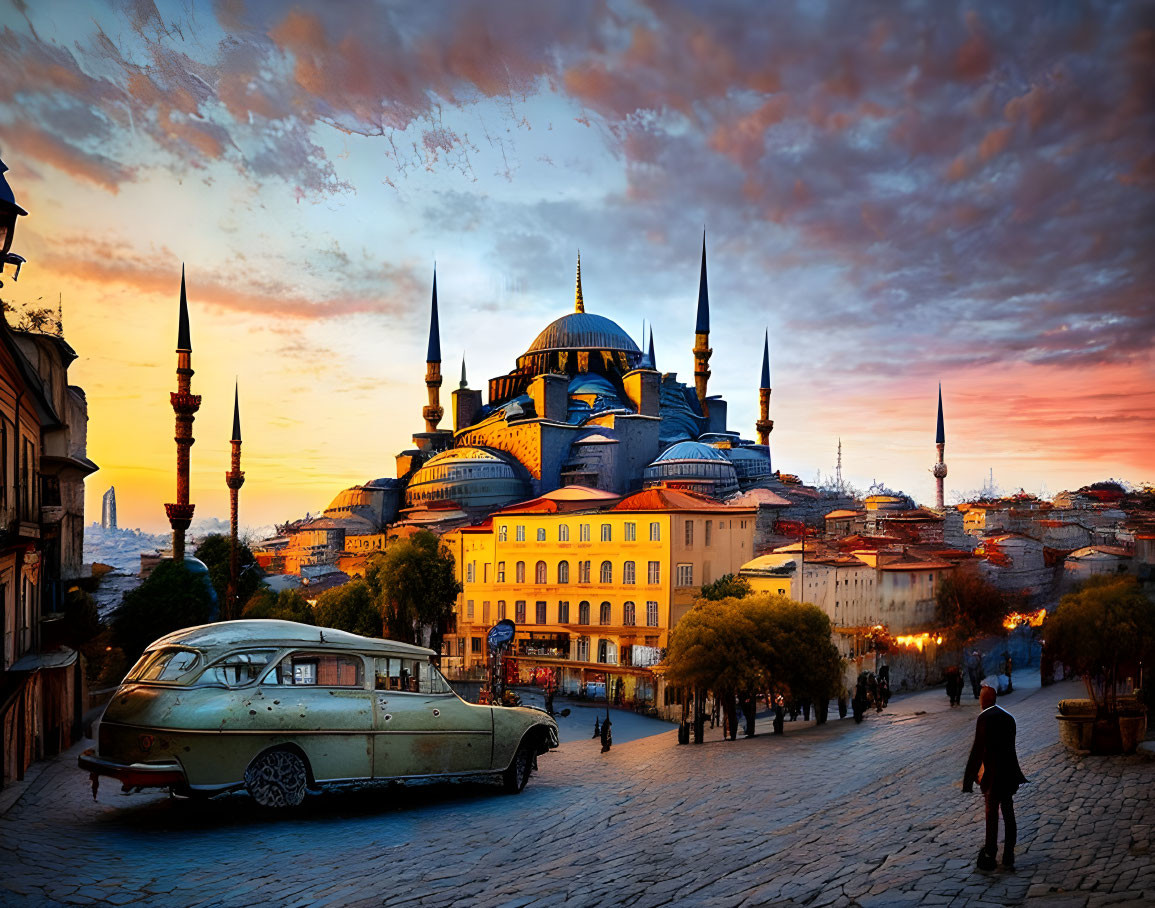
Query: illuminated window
519	572
501	572
502	533
607	572
628	573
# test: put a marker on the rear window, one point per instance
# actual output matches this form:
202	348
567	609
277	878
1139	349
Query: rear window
168	664
238	669
408	675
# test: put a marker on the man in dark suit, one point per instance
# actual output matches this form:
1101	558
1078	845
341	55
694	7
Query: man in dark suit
995	764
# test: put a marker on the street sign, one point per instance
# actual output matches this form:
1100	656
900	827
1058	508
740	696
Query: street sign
500	633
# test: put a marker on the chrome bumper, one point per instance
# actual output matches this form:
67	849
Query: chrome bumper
133	775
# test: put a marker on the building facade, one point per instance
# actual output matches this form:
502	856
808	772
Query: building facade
593	583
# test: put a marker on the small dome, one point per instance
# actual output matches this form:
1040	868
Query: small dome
470	477
583	331
691	450
695	467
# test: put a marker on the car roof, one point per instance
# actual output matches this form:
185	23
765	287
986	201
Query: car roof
265	631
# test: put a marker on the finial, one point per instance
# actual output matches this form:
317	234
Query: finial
236	412
940	437
653	362
183	341
464	384
433	354
578	303
703	324
766	361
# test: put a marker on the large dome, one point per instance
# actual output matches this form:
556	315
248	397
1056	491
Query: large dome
583	331
694	466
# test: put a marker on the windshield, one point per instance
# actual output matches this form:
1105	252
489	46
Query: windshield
168	664
238	669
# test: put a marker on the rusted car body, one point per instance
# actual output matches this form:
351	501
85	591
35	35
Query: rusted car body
280	708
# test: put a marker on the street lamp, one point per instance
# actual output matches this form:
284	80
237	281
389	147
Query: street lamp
8	212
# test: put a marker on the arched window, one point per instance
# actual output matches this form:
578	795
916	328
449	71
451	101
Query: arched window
607	572
583	613
563	533
604	613
563	572
629	615
539	573
519	572
628	573
502	533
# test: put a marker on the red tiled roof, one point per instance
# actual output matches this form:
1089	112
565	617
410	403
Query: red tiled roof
675	500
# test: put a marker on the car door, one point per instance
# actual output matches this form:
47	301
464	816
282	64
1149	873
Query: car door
319	701
421	727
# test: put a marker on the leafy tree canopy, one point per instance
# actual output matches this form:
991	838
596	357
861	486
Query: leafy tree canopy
1103	630
214	552
415	587
968	605
726	587
755	643
287	605
170	598
349	607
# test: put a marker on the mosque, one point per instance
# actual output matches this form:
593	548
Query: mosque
585	406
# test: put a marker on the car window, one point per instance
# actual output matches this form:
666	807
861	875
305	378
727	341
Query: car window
319	670
238	669
168	664
410	675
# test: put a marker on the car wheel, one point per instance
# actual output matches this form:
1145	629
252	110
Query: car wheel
519	770
277	778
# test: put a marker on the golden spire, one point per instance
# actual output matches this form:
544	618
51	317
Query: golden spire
579	304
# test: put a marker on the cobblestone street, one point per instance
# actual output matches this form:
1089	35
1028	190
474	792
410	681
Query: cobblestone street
827	815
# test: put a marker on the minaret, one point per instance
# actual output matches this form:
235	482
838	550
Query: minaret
939	469
234	479
764	425
463	385
579	304
653	362
434	411
185	404
702	349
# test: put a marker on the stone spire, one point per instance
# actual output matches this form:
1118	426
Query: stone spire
578	303
234	479
764	425
433	411
939	469
653	362
464	382
702	349
185	405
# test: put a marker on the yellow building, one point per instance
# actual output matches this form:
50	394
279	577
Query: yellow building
593	583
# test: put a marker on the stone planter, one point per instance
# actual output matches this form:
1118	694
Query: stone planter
1132	730
1076	723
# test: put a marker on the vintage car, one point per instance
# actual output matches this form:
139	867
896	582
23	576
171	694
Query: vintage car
281	708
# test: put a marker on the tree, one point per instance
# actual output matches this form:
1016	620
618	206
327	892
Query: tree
1103	630
173	597
415	588
287	605
968	605
214	552
726	587
349	607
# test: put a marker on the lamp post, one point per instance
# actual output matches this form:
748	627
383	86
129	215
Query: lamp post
9	211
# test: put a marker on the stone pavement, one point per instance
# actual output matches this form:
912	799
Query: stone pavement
826	815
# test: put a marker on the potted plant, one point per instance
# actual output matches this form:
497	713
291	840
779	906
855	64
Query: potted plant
1103	630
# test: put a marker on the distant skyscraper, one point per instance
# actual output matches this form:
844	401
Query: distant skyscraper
108	509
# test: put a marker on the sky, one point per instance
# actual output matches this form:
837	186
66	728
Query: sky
901	193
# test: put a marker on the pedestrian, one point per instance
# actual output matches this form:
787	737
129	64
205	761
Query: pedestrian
954	685
716	711
806	710
598	726
843	697
607	735
884	685
779	714
1007	667
975	672
995	764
